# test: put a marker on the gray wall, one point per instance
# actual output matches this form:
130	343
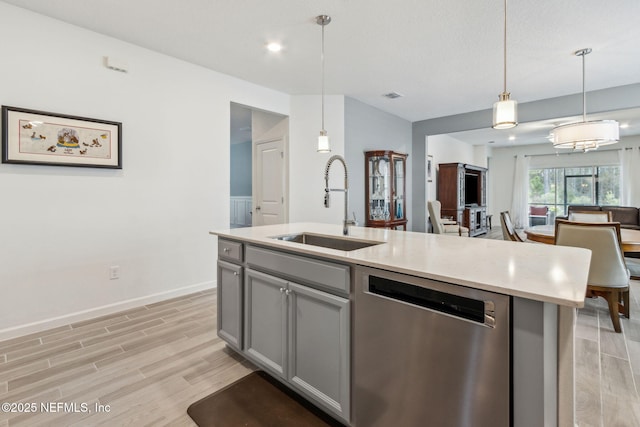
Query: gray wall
367	129
241	169
616	98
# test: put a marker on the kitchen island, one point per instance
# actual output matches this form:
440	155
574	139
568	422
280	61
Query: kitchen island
543	285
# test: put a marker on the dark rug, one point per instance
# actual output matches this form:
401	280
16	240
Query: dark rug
257	400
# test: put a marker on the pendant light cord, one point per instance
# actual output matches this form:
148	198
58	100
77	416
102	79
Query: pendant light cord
322	61
584	92
505	46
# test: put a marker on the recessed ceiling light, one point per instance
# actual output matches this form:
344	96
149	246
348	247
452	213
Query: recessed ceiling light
512	138
274	47
624	125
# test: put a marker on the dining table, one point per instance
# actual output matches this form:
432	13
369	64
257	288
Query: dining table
630	238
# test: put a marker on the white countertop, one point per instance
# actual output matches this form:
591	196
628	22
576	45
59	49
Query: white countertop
540	272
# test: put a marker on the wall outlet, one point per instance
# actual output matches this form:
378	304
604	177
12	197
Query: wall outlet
114	272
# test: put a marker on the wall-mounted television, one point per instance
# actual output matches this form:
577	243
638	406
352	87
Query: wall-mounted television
471	196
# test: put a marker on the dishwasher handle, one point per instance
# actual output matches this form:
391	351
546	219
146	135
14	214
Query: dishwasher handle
478	311
490	314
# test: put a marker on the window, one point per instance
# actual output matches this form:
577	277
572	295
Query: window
558	188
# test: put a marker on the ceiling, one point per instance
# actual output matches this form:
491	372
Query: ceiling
444	56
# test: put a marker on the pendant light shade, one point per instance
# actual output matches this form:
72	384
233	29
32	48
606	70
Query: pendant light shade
505	111
323	139
323	142
584	135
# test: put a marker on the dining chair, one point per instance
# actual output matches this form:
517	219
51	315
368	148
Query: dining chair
538	215
439	227
590	216
508	230
608	274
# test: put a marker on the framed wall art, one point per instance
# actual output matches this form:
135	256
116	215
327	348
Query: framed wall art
41	138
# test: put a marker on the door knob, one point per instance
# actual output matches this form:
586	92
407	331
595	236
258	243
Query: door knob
258	208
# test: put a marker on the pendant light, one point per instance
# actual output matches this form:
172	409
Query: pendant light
584	135
323	139
505	111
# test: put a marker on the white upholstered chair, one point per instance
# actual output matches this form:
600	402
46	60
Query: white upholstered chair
590	216
508	230
439	227
608	274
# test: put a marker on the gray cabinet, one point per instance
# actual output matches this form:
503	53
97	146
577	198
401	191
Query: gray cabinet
230	292
319	347
301	335
290	315
297	328
230	303
265	321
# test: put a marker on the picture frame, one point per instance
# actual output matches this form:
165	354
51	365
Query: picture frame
42	138
430	168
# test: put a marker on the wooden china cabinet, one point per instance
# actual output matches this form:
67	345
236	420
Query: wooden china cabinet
385	189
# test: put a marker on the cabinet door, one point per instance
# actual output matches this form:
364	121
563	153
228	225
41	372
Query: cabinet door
319	355
461	186
265	321
230	304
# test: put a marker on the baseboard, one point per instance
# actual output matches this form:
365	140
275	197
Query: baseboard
54	322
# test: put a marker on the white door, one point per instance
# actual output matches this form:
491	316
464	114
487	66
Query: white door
269	182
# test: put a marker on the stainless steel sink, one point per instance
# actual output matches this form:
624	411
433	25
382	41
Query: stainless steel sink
331	242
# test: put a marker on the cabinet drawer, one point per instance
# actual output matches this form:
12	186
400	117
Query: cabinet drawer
322	274
229	250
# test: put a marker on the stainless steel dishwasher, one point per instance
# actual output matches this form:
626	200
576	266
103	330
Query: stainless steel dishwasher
429	353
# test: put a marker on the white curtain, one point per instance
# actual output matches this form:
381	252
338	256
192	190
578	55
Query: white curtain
520	201
630	177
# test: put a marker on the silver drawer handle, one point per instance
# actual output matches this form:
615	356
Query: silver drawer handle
226	250
281	290
287	292
235	273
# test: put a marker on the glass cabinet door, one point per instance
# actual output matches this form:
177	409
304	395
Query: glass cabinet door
398	187
379	188
385	190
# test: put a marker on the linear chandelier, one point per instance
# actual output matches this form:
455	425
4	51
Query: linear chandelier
584	135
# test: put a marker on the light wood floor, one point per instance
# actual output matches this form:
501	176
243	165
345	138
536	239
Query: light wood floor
149	364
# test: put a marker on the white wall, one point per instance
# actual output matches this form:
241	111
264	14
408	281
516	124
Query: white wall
63	227
446	149
306	165
503	168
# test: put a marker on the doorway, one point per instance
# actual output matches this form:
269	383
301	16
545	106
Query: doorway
258	167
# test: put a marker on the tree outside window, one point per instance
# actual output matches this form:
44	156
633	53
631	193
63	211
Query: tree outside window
558	188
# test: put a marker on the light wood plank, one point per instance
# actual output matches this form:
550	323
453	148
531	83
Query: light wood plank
19	370
33	335
620	411
588	405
